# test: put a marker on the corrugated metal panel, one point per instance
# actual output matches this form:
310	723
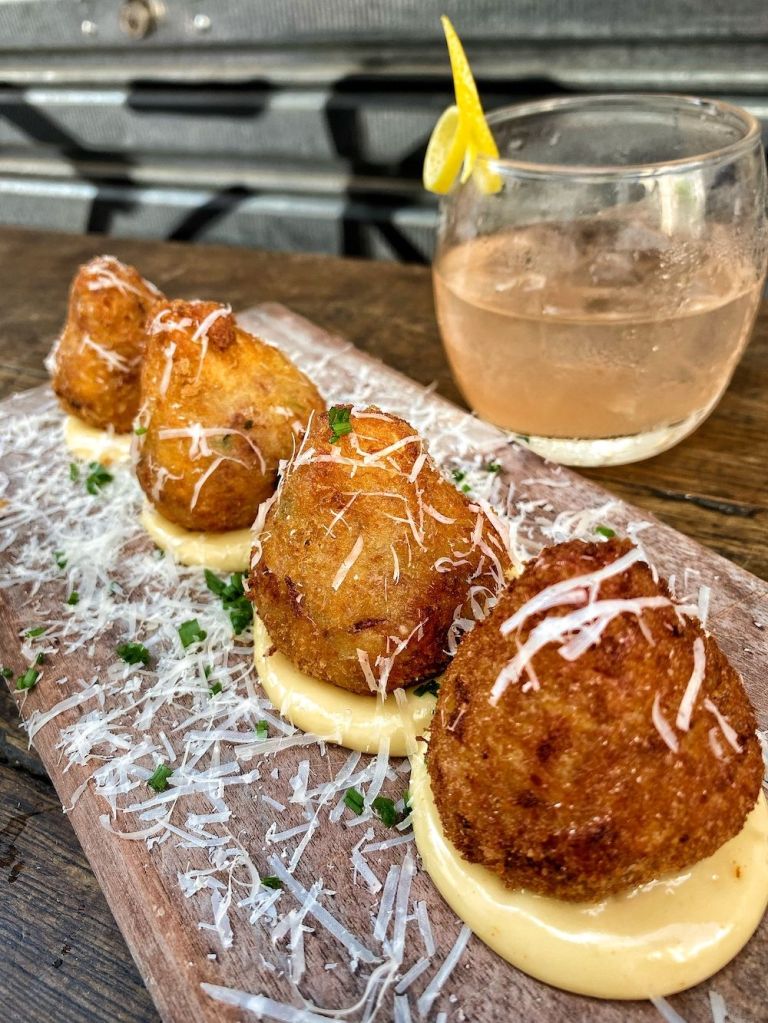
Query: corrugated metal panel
379	130
302	124
344	226
58	24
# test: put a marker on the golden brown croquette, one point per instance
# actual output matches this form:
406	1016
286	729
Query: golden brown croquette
96	363
369	558
596	773
220	409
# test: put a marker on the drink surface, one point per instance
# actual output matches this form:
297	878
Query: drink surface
594	328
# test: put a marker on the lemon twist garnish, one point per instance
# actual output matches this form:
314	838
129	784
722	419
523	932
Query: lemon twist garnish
462	133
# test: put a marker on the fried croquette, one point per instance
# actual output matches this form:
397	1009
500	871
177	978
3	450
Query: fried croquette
612	756
96	363
369	560
220	409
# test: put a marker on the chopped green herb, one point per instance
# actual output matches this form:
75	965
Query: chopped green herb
339	422
33	633
354	800
73	598
233	599
432	687
524	437
385	810
605	531
493	467
272	882
159	778
465	488
214	688
28	680
207	670
458	475
262	729
134	653
190	632
74	472
60	559
40	659
7	672
140	431
97	478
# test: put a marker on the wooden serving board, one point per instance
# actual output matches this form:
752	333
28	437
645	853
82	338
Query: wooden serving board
160	915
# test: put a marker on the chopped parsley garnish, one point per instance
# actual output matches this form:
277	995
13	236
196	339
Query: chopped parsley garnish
465	488
140	431
159	778
214	688
207	670
73	598
7	672
383	807
272	882
74	472
385	810
458	475
524	437
190	632
339	422
33	633
354	800
60	559
262	729
40	659
97	478
134	653
605	531
233	599
493	467
432	687
28	680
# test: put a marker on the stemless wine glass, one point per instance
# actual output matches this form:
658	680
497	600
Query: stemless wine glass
597	284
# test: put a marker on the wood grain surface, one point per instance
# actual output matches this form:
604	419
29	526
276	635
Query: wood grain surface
712	487
159	925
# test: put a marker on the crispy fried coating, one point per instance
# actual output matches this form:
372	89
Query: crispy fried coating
368	555
220	408
96	363
570	789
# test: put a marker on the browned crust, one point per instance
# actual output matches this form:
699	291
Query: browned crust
103	393
322	630
570	790
237	384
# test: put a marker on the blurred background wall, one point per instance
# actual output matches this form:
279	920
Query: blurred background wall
301	124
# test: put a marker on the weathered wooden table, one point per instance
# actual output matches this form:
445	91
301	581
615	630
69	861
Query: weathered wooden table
63	956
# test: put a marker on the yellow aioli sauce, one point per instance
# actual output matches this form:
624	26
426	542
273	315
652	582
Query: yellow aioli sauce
651	941
94	445
221	552
353	720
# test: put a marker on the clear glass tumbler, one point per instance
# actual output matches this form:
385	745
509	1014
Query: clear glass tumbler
597	284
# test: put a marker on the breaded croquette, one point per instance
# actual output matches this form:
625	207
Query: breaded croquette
369	562
589	736
220	409
96	363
